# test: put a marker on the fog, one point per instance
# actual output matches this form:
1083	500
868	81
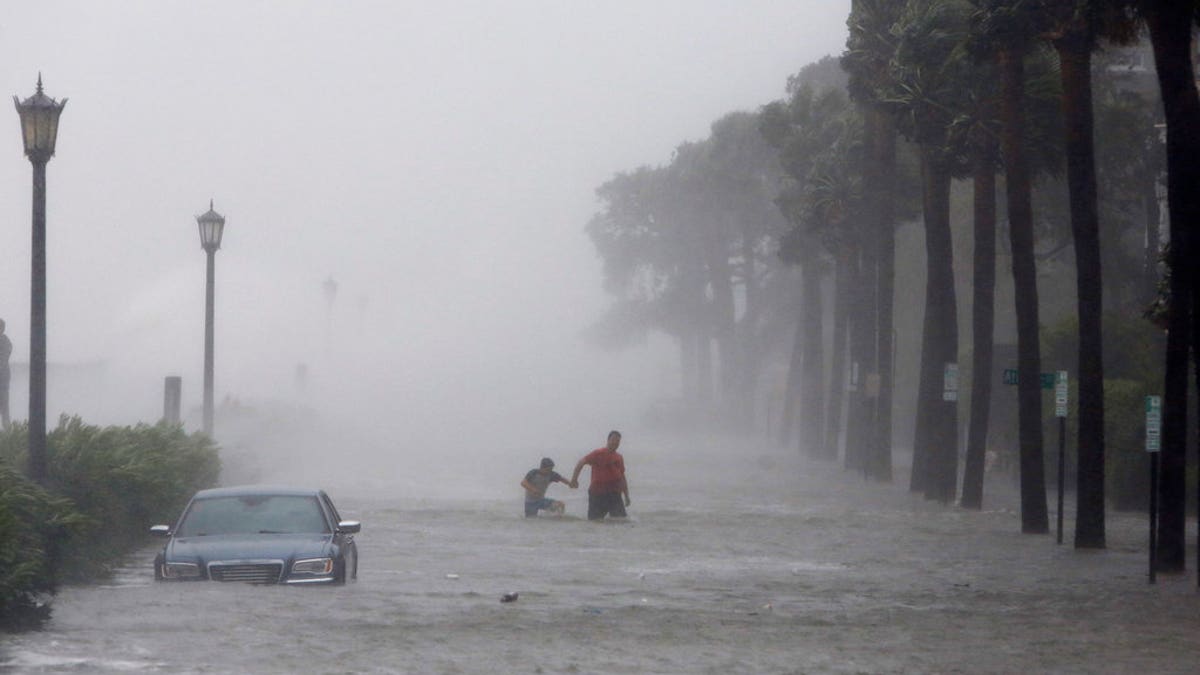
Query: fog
436	160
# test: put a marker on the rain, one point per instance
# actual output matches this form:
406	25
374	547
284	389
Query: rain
417	299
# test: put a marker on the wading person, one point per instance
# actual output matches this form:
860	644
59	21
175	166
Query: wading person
535	484
5	352
608	486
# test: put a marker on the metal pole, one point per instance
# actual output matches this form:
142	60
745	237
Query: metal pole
37	329
172	398
208	341
1153	516
1062	463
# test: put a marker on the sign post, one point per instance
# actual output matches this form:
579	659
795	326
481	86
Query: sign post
1153	436
1060	411
950	382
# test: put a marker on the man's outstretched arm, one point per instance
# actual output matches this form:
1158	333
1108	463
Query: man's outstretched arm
578	468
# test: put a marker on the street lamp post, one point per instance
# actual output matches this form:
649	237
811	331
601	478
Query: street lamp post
39	130
331	288
212	226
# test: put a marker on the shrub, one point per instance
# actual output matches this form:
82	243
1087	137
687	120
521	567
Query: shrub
120	481
1132	369
32	521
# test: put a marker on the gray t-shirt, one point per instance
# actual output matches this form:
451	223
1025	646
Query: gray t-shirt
541	481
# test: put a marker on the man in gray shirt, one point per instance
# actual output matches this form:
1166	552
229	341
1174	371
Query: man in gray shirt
535	484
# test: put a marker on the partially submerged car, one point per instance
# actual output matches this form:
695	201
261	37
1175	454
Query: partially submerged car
257	534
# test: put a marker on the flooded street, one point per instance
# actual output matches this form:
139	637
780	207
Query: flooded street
735	559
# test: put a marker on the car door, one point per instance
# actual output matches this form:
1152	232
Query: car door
343	540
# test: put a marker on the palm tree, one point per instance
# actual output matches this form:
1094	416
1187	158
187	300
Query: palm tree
1171	23
870	48
1006	29
834	203
802	128
1074	38
929	78
976	131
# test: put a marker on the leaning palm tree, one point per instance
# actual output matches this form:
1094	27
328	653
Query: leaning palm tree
1075	29
802	128
976	132
834	202
870	48
1006	31
929	78
1171	24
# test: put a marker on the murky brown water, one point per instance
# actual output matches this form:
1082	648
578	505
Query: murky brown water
736	559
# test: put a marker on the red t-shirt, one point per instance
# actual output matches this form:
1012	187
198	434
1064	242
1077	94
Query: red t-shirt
608	471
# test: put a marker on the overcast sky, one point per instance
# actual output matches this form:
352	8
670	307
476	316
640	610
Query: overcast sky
437	159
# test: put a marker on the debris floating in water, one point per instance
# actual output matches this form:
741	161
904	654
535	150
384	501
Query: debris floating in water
452	576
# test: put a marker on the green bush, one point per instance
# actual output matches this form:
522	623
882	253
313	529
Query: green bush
1132	370
32	521
104	488
1127	464
126	478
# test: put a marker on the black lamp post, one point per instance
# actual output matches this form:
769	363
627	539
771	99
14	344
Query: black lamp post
39	130
212	226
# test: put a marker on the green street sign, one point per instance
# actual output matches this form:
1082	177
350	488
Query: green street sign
1011	378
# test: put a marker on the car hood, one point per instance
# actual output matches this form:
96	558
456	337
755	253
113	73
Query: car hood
249	547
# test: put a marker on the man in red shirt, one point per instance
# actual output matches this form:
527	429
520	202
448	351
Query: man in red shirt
608	480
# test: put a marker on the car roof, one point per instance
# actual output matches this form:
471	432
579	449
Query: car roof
257	490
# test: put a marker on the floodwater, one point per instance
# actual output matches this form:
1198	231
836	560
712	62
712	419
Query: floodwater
736	559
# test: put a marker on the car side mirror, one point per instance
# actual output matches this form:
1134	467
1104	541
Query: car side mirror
161	530
349	526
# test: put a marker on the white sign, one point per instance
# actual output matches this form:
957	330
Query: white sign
1060	394
950	382
1153	423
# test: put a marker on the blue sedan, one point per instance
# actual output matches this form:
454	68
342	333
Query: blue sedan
256	534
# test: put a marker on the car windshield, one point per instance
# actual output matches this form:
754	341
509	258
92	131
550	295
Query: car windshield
253	514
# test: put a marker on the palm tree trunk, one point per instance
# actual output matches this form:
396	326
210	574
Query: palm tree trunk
860	412
837	379
812	384
982	329
867	346
885	153
704	367
687	367
750	348
793	387
1170	24
1074	56
1034	517
723	307
937	419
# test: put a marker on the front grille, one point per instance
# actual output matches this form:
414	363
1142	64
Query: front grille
248	572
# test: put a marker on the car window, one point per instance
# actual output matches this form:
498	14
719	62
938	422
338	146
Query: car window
253	514
337	518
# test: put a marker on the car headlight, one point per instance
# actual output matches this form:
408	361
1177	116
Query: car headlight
180	570
313	566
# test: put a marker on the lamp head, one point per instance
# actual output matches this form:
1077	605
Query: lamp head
39	123
212	226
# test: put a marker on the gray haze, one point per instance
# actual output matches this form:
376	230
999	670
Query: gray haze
437	160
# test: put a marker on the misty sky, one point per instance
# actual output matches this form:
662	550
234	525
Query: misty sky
437	159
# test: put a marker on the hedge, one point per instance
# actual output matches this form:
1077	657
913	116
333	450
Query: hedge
104	488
